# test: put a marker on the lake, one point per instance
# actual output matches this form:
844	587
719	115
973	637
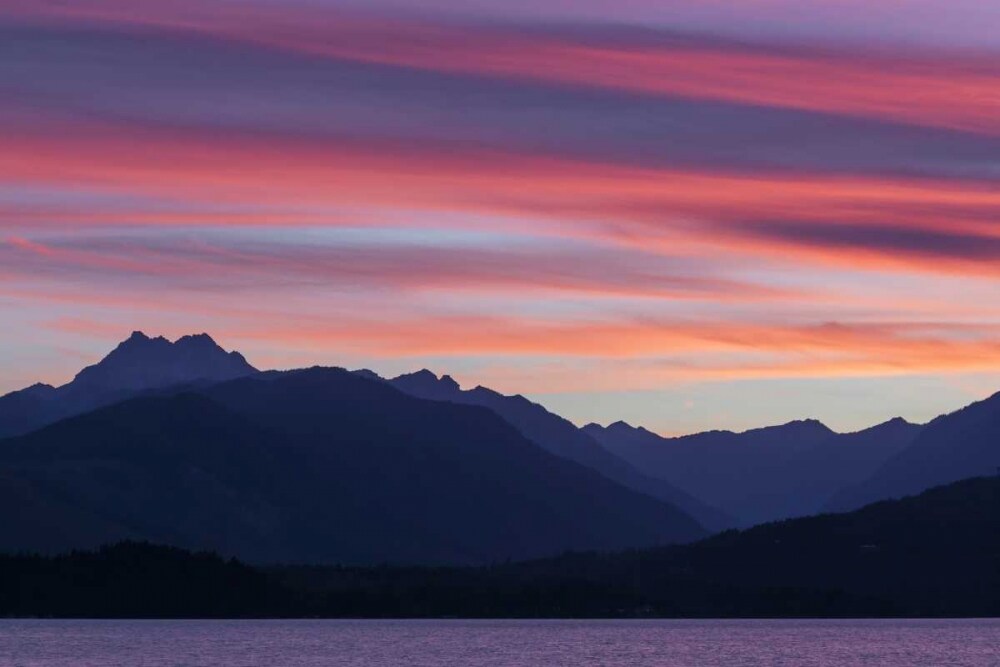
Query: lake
796	643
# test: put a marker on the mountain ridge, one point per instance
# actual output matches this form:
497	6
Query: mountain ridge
137	364
760	474
956	445
560	437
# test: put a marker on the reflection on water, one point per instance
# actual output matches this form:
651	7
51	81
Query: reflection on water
800	643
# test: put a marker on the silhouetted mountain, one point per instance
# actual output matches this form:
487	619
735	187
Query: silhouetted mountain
762	474
138	364
934	555
316	465
560	437
179	470
952	447
141	363
475	484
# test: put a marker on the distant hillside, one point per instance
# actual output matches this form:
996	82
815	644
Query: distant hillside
138	364
933	555
962	444
763	474
317	466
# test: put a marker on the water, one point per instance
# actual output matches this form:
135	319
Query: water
886	643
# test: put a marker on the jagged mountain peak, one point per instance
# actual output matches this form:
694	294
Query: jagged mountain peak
138	364
144	362
202	339
139	339
449	381
425	382
368	373
620	427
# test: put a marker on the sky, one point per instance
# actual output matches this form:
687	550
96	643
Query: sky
691	214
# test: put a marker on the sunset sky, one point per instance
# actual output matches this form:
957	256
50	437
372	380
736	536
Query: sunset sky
690	214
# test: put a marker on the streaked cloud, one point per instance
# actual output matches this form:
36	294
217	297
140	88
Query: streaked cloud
223	263
609	199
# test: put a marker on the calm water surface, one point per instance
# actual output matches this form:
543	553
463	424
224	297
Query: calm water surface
495	643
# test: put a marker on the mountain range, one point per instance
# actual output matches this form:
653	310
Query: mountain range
318	465
965	443
187	444
762	474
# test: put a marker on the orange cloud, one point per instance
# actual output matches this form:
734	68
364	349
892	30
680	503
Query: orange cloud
633	354
730	348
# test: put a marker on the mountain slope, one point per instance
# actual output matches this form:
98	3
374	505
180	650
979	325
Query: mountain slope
560	437
24	410
176	469
314	466
762	474
136	365
962	444
458	473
